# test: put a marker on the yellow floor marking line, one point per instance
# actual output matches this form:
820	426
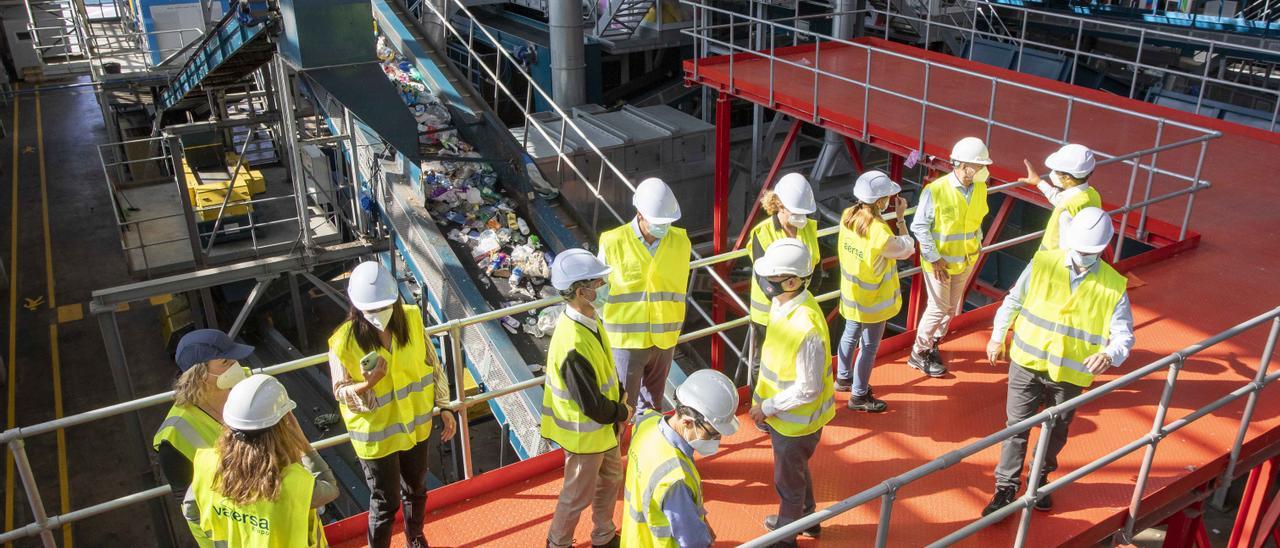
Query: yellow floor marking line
64	495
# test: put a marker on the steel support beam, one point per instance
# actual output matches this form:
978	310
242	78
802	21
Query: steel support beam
720	218
289	131
328	290
997	225
770	177
106	299
299	318
255	295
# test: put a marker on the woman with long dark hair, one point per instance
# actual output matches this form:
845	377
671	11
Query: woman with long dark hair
387	380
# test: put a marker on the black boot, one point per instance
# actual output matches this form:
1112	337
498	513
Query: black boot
1004	496
867	403
771	523
926	364
1046	500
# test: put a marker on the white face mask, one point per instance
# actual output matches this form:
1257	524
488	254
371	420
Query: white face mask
797	220
705	448
1083	260
231	377
379	319
659	231
982	175
1056	180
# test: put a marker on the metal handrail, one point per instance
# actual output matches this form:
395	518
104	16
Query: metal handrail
15	437
1076	52
887	490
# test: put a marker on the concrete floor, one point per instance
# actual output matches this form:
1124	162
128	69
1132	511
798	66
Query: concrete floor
78	252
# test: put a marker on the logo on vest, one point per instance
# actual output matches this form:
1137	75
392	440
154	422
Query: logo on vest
257	523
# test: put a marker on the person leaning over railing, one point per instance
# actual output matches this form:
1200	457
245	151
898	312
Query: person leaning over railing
795	395
385	379
1071	320
870	292
210	364
788	206
260	486
583	405
1067	189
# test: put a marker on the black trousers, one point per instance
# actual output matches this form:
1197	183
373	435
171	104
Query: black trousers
395	477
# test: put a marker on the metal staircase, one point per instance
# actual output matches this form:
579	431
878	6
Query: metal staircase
622	19
237	46
57	32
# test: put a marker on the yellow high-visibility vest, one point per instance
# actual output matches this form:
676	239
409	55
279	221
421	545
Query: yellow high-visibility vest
778	370
957	223
765	233
646	292
287	522
1072	205
188	428
653	466
869	288
562	418
1058	328
405	396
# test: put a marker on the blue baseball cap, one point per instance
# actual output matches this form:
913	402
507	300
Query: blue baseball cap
202	345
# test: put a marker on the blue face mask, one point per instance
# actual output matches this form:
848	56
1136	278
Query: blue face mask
602	297
659	231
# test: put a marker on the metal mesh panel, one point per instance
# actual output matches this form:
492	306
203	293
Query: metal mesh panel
423	242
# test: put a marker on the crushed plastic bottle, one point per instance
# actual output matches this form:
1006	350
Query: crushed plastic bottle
511	324
523	226
548	317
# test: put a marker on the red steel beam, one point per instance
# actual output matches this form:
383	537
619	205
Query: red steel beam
768	181
1261	479
852	147
720	215
997	225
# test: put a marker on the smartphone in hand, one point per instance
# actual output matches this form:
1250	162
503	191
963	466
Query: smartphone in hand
369	361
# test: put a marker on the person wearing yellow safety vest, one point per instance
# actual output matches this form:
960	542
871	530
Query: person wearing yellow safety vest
795	394
870	292
662	501
387	380
210	364
948	226
582	402
1067	189
645	309
788	206
260	485
1071	320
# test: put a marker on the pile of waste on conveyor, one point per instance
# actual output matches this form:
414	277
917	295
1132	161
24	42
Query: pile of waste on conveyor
464	198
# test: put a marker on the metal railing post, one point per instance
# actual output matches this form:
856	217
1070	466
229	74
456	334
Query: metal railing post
1191	198
460	412
1033	476
1151	175
1204	78
1128	202
1153	440
886	515
1220	496
19	450
1022	42
1137	62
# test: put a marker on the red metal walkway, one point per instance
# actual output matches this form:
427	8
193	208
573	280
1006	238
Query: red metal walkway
1229	277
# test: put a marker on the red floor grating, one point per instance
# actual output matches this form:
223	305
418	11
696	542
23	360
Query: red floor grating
1228	278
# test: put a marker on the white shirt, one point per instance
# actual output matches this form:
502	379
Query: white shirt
1058	197
576	316
1121	340
810	365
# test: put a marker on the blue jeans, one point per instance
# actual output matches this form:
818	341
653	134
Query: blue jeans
867	338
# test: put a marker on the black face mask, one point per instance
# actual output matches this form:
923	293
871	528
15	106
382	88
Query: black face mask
771	289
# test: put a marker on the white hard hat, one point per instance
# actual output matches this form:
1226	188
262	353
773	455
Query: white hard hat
256	403
785	256
1090	231
970	150
1074	160
873	185
796	195
371	286
712	394
575	265
655	201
